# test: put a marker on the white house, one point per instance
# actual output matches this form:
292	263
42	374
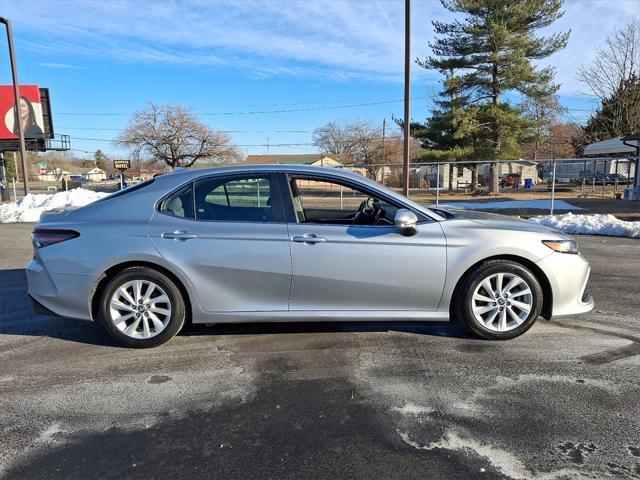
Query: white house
96	175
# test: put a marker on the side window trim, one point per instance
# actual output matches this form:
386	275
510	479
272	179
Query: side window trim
291	215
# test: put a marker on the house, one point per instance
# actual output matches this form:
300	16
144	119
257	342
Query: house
524	168
96	175
316	159
53	176
432	174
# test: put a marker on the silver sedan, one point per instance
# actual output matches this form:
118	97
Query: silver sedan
277	243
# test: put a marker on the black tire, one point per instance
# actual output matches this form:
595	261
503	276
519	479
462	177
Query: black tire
462	306
175	320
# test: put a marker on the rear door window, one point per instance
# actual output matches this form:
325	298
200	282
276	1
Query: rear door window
238	198
180	204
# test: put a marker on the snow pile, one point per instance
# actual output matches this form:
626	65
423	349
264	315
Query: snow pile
590	225
30	207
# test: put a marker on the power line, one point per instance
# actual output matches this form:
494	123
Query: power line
257	112
223	131
84	139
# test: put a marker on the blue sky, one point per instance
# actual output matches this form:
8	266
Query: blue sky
235	60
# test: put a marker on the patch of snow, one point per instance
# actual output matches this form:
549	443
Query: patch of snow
504	461
51	434
513	204
31	207
599	224
413	409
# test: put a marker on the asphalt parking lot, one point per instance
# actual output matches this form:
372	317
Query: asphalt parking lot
349	400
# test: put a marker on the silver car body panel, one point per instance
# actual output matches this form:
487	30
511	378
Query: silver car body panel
252	271
379	268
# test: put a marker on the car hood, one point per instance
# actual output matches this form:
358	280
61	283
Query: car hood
498	222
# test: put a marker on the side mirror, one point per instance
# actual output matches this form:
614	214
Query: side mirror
406	220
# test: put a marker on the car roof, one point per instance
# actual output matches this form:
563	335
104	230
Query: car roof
308	169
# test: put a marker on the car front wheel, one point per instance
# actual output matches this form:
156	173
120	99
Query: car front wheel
141	307
498	300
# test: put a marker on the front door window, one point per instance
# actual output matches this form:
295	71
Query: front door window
324	202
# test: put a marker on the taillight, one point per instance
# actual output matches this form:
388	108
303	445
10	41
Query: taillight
42	237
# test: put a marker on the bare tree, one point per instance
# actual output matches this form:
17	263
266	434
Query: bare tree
334	138
616	62
614	77
357	140
172	134
544	112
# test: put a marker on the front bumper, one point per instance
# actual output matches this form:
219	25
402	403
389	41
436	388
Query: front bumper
568	276
64	295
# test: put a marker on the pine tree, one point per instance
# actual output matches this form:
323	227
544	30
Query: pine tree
493	48
100	159
441	133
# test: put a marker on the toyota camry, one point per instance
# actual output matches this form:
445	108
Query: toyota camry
281	243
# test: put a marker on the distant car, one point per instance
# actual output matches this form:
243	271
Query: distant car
295	243
618	176
600	177
511	180
78	178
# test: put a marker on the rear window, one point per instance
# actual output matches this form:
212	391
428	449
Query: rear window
130	189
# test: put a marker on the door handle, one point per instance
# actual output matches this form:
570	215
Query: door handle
179	235
308	238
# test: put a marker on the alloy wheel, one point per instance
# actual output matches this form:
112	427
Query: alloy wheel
502	302
140	309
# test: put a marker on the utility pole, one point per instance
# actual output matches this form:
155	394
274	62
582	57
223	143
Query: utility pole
407	90
268	146
16	94
4	181
384	132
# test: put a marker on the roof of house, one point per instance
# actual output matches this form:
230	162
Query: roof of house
293	159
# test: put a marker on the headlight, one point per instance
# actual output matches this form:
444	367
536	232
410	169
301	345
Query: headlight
562	246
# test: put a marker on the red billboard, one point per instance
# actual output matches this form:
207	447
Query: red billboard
30	113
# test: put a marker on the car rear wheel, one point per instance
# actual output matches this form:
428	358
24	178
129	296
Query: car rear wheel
141	307
498	300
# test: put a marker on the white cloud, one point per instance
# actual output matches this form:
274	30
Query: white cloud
333	39
61	66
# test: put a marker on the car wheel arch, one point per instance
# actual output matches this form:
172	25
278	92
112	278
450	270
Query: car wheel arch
547	292
103	280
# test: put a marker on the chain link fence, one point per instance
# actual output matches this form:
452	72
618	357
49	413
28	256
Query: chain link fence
526	188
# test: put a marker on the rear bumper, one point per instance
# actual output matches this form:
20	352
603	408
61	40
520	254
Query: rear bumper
64	295
568	275
41	309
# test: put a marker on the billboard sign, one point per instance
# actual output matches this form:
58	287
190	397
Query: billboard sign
30	113
122	164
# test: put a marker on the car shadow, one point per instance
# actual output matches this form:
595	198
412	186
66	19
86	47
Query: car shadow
17	318
435	329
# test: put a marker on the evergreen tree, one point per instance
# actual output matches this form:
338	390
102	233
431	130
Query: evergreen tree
100	159
619	115
493	48
441	134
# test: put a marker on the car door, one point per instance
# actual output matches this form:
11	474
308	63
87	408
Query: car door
228	236
339	265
